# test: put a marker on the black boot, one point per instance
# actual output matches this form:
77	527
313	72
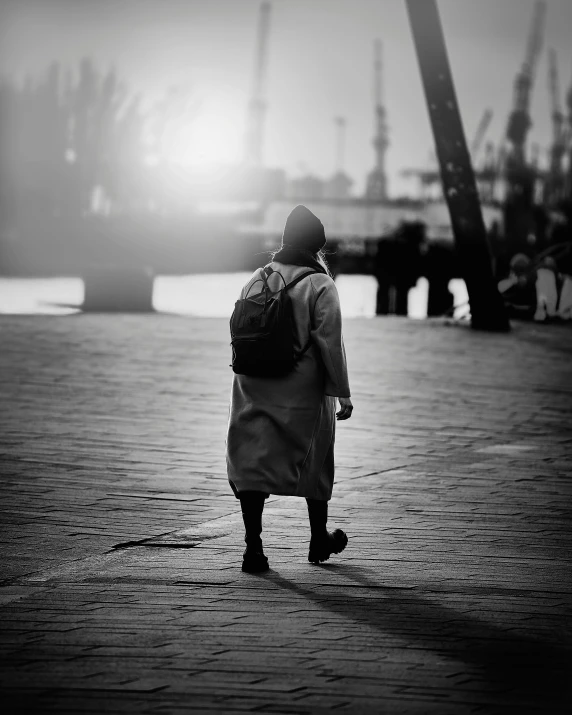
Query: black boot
252	505
323	543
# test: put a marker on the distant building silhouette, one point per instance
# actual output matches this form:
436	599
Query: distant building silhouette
309	187
338	187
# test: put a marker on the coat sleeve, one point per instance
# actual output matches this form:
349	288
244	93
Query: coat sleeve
326	333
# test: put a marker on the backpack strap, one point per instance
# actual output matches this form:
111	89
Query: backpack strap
258	280
293	283
267	272
297	280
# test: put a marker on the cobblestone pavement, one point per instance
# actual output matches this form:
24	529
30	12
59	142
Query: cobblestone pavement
121	543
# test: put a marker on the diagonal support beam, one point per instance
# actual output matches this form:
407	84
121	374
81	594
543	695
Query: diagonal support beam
459	185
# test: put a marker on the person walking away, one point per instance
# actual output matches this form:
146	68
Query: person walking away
281	429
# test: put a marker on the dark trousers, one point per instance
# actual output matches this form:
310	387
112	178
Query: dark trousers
252	506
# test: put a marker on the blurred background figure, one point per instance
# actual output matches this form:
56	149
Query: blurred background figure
548	288
519	289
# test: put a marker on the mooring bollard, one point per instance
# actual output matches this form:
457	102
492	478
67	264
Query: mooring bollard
116	289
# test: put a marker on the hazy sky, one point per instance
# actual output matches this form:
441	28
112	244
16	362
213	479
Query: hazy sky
320	64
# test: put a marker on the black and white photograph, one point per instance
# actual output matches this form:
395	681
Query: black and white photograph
286	357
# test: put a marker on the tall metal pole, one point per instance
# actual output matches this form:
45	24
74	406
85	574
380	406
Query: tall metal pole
376	187
340	123
257	104
459	185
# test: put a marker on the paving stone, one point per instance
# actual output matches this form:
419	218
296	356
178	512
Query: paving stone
121	588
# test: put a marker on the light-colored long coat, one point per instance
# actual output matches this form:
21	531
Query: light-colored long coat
281	430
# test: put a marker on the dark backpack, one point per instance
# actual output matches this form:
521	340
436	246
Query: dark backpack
262	330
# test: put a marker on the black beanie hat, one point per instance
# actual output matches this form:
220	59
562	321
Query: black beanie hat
304	230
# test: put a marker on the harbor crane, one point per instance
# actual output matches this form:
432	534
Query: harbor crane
554	184
430	177
376	188
340	124
568	178
253	154
518	177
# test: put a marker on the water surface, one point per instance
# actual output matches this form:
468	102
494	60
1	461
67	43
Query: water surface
209	295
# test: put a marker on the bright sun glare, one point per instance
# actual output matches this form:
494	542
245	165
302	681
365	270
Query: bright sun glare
213	137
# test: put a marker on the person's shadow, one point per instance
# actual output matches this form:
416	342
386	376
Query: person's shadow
515	670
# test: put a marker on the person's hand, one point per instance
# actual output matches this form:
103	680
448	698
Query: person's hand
346	408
